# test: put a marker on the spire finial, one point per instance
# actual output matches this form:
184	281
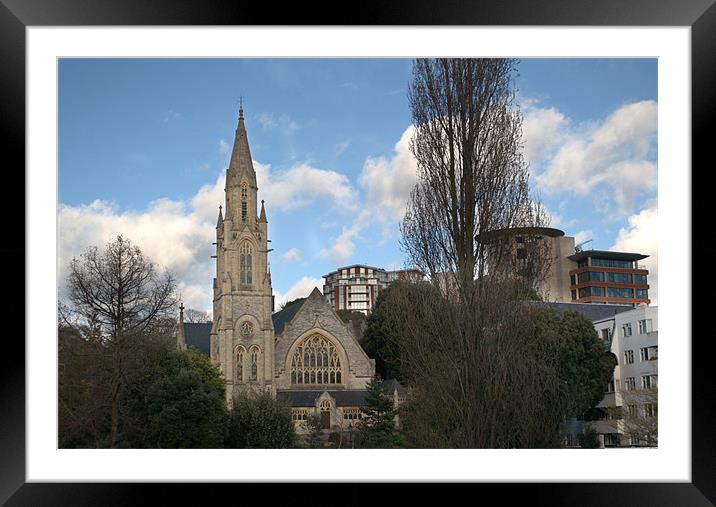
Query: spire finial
181	310
241	108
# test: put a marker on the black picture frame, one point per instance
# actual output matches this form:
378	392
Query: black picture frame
16	15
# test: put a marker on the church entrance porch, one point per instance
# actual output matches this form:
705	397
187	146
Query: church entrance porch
325	415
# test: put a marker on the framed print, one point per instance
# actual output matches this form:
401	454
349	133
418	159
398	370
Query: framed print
105	48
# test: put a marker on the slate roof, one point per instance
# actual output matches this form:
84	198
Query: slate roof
591	311
280	318
197	336
308	398
391	384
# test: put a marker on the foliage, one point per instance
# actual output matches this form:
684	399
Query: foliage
285	305
314	439
117	301
377	429
187	412
257	420
590	438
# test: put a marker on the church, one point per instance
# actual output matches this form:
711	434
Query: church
304	355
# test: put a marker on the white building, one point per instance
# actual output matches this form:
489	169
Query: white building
629	408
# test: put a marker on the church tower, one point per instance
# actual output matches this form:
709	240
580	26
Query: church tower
242	333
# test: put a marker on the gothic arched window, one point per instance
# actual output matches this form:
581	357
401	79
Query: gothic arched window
240	365
254	363
316	361
245	264
244	203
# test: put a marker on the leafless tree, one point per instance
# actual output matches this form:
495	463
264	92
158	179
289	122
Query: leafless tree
116	298
639	416
467	349
196	316
472	177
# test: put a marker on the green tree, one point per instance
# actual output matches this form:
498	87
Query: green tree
589	439
377	429
187	412
314	439
257	420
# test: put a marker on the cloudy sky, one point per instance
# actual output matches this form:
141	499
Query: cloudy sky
144	145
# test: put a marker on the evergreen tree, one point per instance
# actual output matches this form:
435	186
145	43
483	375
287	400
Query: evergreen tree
258	421
314	438
377	428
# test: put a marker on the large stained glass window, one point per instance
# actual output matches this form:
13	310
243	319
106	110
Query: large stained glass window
316	361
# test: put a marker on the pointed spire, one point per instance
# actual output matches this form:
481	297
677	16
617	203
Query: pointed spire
262	217
181	337
220	219
241	154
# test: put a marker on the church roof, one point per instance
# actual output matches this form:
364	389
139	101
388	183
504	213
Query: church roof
197	336
391	384
282	317
308	398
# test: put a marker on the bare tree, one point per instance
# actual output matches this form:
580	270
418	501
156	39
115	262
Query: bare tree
639	412
472	177
196	316
116	298
478	374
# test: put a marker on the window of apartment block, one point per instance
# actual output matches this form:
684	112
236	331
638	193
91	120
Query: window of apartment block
645	326
626	329
650	410
649	353
611	440
619	277
631	410
572	279
630	383
620	292
648	381
642	293
610	386
628	357
640	279
606	334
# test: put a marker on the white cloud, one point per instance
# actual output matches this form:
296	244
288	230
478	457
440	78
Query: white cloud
386	183
293	254
615	153
300	289
303	184
642	236
178	235
223	146
543	129
342	146
170	233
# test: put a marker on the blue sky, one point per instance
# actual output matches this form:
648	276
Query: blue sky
143	144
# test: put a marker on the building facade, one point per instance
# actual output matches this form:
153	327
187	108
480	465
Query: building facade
628	414
304	355
608	278
568	273
356	287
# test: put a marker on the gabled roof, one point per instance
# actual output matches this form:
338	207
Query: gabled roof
197	336
391	384
282	317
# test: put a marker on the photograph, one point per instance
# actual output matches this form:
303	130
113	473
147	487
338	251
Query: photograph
358	253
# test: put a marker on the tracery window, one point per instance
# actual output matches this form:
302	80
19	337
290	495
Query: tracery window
316	361
299	414
240	365
254	363
245	264
352	414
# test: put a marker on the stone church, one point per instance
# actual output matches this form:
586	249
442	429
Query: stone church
304	355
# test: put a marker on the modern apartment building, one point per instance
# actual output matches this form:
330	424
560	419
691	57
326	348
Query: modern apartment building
572	274
608	277
628	414
356	287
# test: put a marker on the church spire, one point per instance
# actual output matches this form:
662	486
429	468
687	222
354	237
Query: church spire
241	164
262	218
220	220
